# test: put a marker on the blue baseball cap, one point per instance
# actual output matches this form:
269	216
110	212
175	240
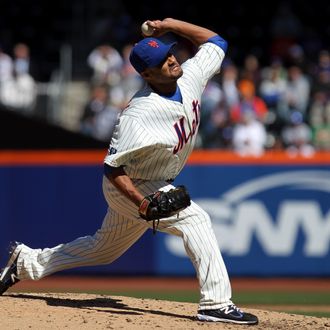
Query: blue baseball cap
148	53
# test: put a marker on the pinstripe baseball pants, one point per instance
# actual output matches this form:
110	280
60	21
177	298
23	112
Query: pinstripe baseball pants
121	228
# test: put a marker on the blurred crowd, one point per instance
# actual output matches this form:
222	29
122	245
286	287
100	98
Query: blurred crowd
273	91
249	109
284	105
257	102
112	84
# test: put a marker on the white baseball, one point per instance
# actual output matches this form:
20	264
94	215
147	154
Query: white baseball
146	29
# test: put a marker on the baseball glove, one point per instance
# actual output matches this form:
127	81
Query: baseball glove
163	204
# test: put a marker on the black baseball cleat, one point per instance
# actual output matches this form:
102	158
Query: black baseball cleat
8	276
229	314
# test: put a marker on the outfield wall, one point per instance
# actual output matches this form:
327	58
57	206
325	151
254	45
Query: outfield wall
270	215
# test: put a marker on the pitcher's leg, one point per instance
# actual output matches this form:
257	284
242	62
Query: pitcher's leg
115	236
194	225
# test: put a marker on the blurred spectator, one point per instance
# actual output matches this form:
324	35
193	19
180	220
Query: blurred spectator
249	102
99	118
321	137
6	66
130	82
251	70
106	63
296	57
211	96
273	85
18	88
220	128
19	92
319	118
297	136
105	122
249	135
229	84
272	90
319	112
214	116
324	63
21	57
321	73
297	94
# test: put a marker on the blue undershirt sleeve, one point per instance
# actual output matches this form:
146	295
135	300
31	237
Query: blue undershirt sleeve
217	40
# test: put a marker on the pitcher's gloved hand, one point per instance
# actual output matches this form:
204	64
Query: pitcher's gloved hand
163	204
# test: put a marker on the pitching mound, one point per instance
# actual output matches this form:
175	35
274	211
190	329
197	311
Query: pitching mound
88	311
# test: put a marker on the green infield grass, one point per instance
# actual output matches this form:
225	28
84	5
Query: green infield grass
294	302
310	303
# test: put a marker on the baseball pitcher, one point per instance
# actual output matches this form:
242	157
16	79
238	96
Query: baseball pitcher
151	143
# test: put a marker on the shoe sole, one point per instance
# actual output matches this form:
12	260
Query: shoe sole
14	254
208	318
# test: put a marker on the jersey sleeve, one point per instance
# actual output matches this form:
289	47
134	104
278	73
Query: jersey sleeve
207	61
128	143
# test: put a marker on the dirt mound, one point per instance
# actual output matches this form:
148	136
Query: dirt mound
88	311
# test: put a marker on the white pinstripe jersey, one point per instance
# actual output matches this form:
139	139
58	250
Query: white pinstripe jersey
155	136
